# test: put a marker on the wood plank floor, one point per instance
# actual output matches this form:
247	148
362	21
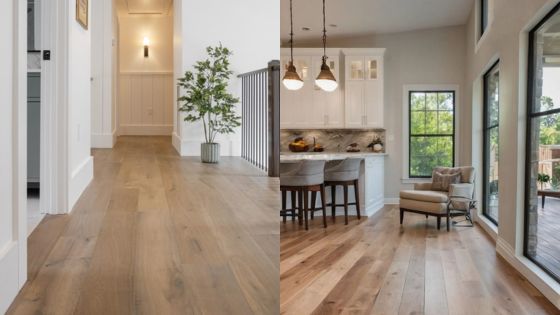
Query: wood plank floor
374	266
155	233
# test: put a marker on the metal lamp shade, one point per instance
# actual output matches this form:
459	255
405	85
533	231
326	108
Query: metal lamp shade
326	80
291	79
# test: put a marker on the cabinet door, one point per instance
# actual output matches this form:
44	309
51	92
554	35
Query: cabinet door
354	109
296	106
374	196
355	68
328	105
374	99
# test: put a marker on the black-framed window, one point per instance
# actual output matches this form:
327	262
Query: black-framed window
491	136
542	170
483	16
431	131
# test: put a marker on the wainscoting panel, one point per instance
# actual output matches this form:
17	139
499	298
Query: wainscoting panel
146	103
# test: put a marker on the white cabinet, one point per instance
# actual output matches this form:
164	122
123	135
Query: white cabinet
363	89
311	107
356	103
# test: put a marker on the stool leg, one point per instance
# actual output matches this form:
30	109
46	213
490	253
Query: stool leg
284	206
438	222
357	195
305	207
313	201
323	205
294	199
345	204
300	208
333	202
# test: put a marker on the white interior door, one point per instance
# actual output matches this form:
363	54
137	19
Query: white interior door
13	116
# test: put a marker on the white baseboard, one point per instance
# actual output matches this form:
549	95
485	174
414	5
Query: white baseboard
391	201
9	286
176	141
103	140
145	130
536	276
79	180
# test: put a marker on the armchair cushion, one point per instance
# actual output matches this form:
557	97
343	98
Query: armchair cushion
423	186
442	181
461	190
425	196
428	207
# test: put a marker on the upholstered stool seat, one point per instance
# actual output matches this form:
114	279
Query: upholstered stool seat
301	178
343	173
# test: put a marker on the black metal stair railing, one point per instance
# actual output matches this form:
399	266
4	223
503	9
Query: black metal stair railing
260	111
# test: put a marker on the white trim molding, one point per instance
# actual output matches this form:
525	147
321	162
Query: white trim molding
427	87
145	130
103	140
392	201
542	281
80	179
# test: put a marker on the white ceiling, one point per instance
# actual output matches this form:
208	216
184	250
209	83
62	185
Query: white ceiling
133	7
362	17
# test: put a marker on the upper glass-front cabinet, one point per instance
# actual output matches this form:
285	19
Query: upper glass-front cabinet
363	68
371	68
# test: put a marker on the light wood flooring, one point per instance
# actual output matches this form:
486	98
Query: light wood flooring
155	233
374	266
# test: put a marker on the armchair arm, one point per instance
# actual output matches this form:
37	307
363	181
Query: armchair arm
423	186
464	190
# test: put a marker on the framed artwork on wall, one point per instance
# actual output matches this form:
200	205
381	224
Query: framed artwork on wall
82	13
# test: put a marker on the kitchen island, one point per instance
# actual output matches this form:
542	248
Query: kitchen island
370	182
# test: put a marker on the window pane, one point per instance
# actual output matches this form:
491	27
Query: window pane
417	123
445	101
445	123
491	143
543	142
431	131
483	16
418	101
431	101
431	122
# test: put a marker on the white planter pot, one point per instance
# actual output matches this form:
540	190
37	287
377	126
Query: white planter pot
210	152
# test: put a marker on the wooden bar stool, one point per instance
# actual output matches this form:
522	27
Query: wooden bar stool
344	173
302	178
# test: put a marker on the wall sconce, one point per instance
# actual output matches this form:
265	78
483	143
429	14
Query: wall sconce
146	44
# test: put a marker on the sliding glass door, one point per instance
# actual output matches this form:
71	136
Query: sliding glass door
542	205
491	142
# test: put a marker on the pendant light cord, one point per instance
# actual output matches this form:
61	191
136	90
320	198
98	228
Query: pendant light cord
324	35
291	34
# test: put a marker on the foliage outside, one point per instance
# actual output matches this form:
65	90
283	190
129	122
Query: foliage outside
431	131
206	96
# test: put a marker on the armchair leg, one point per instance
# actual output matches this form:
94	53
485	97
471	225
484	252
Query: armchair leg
402	216
448	219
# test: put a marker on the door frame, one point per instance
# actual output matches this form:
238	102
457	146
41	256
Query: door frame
54	174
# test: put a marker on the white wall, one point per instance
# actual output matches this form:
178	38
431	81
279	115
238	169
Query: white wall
13	135
426	57
159	30
145	84
80	162
250	28
507	39
103	71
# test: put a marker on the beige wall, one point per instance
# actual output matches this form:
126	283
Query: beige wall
132	31
433	57
145	84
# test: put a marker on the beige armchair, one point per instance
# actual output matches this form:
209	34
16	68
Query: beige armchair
424	199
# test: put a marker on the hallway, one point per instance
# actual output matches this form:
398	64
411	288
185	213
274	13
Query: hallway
155	233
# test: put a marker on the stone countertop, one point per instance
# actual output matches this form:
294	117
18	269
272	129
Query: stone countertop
293	156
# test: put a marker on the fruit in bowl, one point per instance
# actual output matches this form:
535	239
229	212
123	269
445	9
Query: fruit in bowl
298	145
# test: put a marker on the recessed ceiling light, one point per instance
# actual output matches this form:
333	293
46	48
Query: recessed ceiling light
306	29
333	25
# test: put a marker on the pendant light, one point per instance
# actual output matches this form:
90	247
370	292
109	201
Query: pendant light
326	80
291	79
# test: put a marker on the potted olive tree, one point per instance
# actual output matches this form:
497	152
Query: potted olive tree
206	98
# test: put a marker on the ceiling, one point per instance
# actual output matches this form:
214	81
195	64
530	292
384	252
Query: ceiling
363	17
140	7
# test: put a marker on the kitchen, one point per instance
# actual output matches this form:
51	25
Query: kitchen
346	122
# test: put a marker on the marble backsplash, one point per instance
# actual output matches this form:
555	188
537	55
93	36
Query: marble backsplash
333	140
